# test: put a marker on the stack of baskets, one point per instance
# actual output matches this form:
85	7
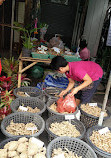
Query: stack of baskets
26	117
90	120
100	152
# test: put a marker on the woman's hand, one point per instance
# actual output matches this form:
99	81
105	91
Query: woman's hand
74	91
63	93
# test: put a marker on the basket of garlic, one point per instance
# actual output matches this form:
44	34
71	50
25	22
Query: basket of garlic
57	126
52	105
22	123
33	105
90	113
99	138
22	147
66	147
27	92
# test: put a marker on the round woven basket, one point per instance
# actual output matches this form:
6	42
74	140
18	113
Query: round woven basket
50	92
31	91
79	126
31	102
73	144
23	117
90	120
100	153
51	112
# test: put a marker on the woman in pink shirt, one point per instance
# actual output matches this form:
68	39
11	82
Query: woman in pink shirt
84	52
88	73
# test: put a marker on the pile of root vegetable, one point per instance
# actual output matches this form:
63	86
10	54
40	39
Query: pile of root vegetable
102	141
65	152
92	110
64	128
23	148
21	128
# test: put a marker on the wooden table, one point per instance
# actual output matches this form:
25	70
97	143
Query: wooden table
33	60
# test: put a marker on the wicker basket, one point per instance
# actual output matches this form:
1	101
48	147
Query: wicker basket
31	102
100	153
90	120
73	144
23	117
51	112
31	91
79	126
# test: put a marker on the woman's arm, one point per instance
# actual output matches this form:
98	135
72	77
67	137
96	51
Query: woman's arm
87	81
69	87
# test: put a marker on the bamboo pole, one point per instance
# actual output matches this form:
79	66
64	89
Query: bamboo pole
105	101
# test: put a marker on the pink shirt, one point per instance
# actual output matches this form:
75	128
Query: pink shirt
78	69
84	54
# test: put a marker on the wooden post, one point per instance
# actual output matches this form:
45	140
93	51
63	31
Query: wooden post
27	12
19	73
105	101
11	37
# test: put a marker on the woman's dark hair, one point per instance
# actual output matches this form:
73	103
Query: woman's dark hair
58	62
83	43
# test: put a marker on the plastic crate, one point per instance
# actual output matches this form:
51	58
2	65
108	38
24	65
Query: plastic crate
73	144
100	153
39	56
90	120
31	102
31	91
23	117
71	58
51	112
51	56
79	126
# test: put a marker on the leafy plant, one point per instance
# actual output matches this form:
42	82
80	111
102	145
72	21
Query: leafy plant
10	66
6	99
27	32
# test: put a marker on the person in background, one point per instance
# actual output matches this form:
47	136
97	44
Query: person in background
1	1
88	73
84	51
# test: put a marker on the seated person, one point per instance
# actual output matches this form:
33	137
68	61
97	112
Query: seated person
84	51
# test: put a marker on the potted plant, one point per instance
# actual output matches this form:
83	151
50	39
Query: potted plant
26	38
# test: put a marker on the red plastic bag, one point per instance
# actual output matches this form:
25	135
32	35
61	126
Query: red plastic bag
60	108
66	105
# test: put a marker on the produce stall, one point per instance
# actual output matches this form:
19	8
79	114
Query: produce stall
35	59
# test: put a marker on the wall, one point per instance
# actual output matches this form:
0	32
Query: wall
94	23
